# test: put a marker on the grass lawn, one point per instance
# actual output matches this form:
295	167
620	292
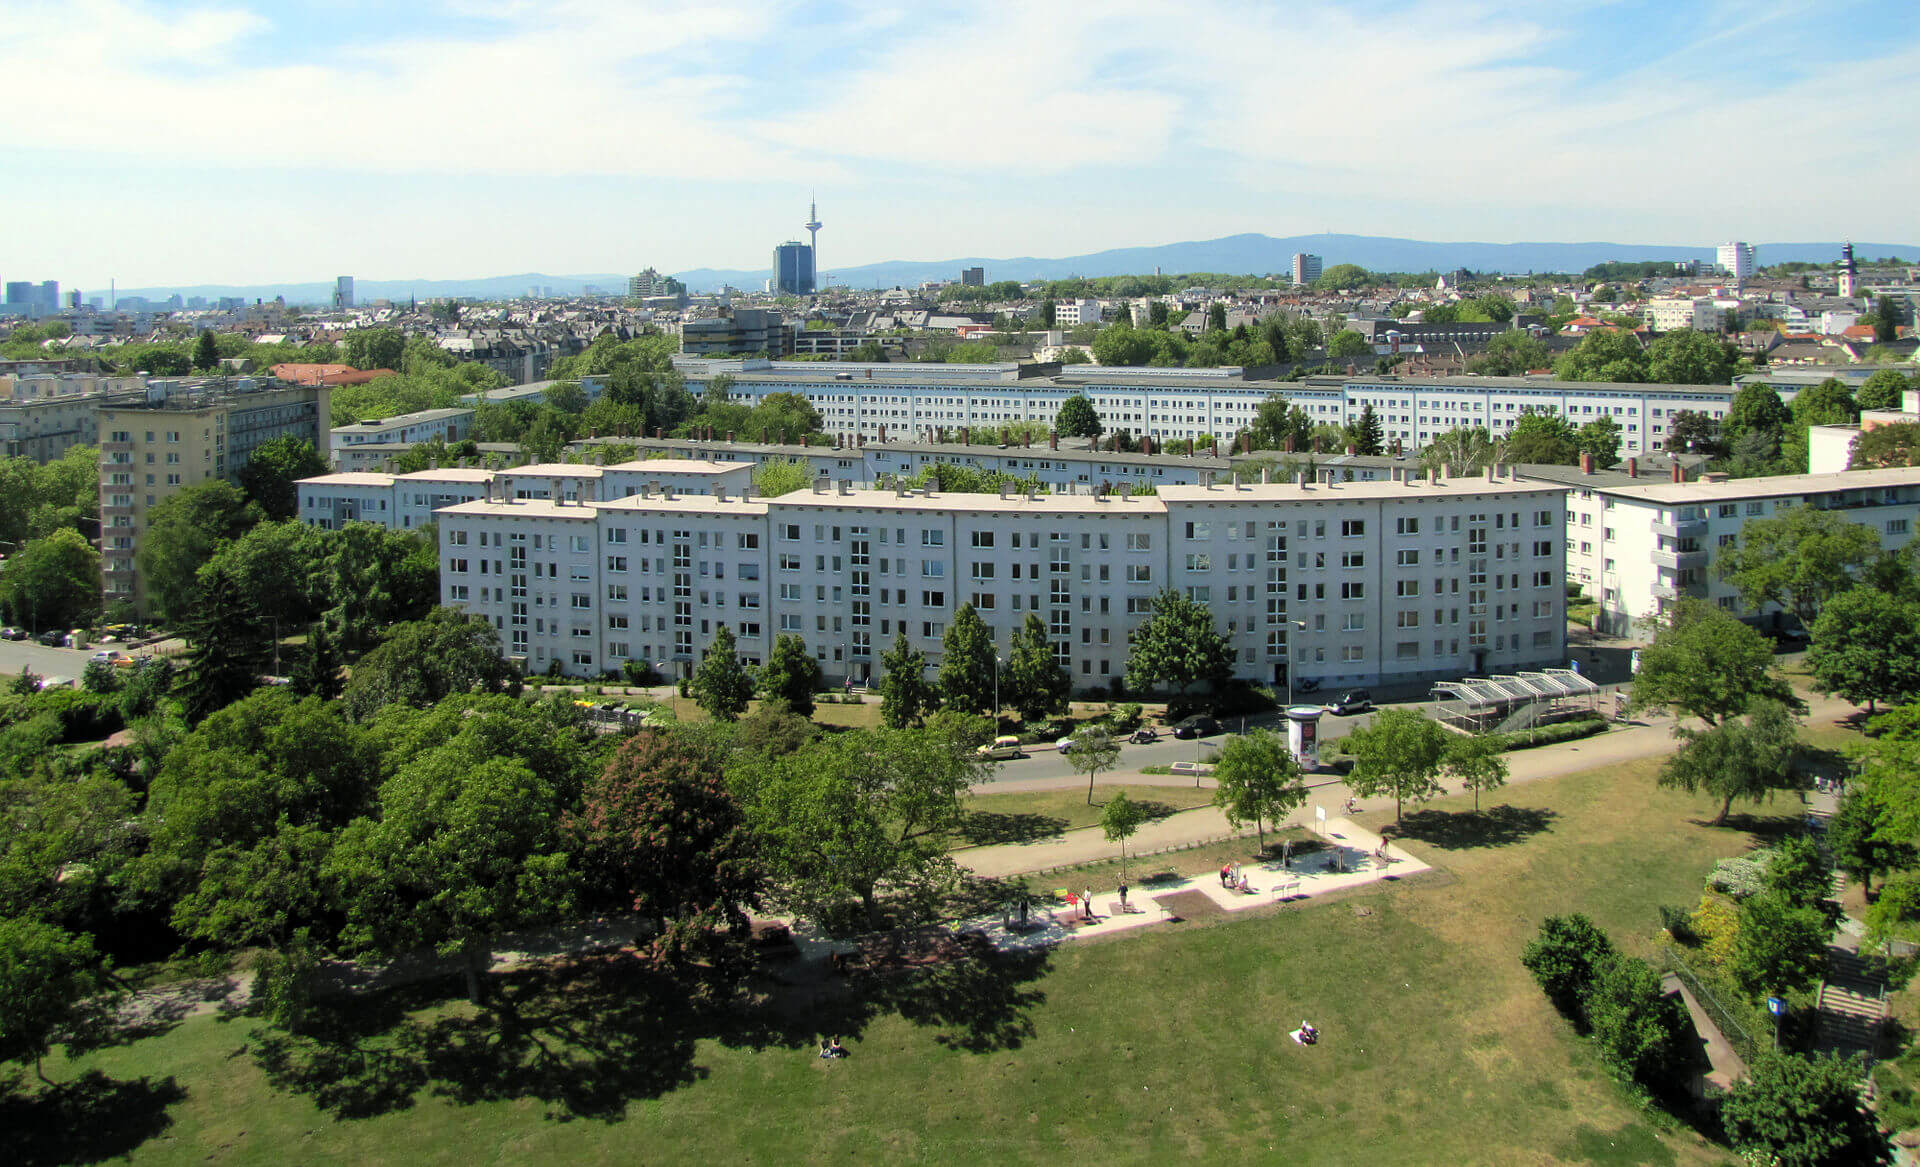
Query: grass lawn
1044	814
1166	1044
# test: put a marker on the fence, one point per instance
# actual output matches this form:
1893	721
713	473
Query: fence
1730	1027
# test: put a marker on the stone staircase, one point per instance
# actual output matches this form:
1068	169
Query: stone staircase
1852	1006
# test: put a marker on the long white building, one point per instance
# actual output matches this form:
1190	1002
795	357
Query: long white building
1638	548
407	501
1401	580
939	401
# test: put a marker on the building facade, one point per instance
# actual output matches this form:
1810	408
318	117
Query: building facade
1638	549
405	429
792	269
1402	580
1736	259
44	415
181	435
1306	268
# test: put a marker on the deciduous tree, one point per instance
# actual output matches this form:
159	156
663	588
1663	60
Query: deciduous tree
1708	664
1078	419
720	683
1804	1111
1687	357
53	582
905	696
1177	645
1034	681
1401	754
1866	648
422	661
1092	751
1477	764
1798	558
46	974
1257	780
791	674
183	532
273	468
1746	758
967	668
1120	820
226	646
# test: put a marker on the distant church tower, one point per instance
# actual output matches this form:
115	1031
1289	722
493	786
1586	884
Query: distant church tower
1849	271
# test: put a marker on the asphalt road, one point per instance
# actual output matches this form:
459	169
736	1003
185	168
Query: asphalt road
1045	764
52	662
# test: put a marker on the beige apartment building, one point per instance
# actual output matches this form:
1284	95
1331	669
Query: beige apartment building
183	434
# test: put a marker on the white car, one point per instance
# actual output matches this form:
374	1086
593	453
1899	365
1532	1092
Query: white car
111	656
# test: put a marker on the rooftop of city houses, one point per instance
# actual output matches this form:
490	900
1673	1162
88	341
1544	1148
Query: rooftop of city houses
1772	486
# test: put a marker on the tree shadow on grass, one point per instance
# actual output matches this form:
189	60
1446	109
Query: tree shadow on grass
1496	826
1765	828
985	828
88	1120
589	1037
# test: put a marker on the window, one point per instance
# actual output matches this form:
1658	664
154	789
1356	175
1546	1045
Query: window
1407	526
933	599
933	568
985	539
1353	652
459	565
1352	528
616	563
617	592
749	540
1199	531
1407	587
578	544
1142	541
1353	559
933	538
1139	573
616	534
1408	557
1199	563
582	600
1896	526
1728	510
1353	590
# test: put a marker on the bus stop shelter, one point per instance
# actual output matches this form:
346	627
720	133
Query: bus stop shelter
1507	703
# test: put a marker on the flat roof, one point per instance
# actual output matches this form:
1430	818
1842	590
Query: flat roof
348	478
407	418
680	466
1772	486
526	508
476	474
1415	488
1114	505
555	470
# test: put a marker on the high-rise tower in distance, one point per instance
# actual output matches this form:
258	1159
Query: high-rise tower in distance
813	236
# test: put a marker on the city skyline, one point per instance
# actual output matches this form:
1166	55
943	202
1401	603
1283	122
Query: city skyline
1599	124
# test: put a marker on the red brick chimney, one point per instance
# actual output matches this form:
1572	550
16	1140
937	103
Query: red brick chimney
1633	467
1586	463
1053	441
1679	472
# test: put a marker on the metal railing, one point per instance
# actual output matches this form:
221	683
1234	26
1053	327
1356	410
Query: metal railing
1730	1027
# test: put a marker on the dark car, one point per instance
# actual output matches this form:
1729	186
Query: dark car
1351	702
52	638
1199	725
13	634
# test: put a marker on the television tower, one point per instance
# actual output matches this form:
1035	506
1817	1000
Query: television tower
813	239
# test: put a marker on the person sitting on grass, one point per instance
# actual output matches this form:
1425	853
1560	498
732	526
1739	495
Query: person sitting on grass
835	1049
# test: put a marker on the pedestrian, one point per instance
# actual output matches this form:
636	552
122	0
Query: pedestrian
1086	902
1123	897
1226	873
1286	855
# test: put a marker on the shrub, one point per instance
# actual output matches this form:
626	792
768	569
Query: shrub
1633	1021
1678	923
1740	876
1126	718
1544	735
1716	929
1564	958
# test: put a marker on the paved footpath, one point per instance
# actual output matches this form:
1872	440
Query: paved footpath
1648	737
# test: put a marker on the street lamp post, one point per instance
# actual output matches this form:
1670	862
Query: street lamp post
996	695
673	703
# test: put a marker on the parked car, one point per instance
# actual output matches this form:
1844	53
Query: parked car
1145	735
13	634
1004	746
52	638
1351	702
112	656
1199	725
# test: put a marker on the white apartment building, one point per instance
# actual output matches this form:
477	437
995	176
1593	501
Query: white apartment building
1401	580
1068	313
1637	549
405	429
1668	313
408	500
1736	259
1306	268
940	402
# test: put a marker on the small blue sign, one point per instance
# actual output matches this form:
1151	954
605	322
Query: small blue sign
1776	1006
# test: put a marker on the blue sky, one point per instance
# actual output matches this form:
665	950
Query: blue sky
241	141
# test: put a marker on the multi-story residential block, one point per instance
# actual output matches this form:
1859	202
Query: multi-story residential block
1068	313
1667	313
181	435
738	331
402	430
1400	580
1639	548
43	415
1736	259
857	400
408	501
1306	268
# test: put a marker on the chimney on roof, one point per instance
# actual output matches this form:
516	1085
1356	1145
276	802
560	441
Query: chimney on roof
1679	471
1266	475
1586	463
658	433
720	494
883	434
1206	479
1633	467
846	486
1300	479
966	436
1489	472
1053	441
1289	444
729	437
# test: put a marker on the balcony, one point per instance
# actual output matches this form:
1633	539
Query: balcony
116	447
1678	560
1680	529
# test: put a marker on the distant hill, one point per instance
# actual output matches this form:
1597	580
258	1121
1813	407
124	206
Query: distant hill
1262	254
1235	254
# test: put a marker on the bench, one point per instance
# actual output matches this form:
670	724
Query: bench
1286	889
